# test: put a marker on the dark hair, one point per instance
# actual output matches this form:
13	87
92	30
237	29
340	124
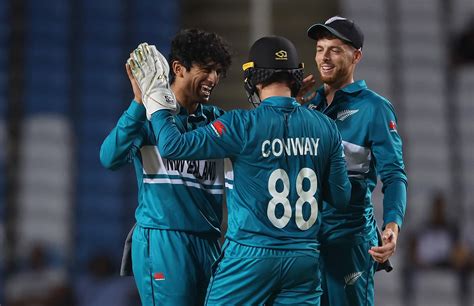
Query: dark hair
194	46
280	77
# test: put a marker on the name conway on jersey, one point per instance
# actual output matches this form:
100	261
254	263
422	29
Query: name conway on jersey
290	146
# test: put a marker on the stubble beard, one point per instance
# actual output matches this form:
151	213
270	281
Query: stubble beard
335	78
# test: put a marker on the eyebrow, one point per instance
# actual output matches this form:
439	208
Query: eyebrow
330	47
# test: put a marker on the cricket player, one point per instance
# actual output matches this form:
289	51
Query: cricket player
373	148
176	237
286	160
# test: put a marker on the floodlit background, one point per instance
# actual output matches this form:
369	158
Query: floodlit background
63	218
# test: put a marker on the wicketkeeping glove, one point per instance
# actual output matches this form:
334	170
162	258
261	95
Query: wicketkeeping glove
150	68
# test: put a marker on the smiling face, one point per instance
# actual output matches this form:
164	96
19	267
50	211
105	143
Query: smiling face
198	60
196	83
201	80
336	61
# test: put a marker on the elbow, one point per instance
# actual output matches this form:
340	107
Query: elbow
168	149
106	161
343	203
347	195
342	197
346	198
165	151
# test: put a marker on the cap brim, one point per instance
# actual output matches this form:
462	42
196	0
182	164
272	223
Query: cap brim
316	29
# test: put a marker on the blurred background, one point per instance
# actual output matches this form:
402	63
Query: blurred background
64	218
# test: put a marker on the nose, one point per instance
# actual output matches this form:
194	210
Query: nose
322	55
213	76
326	55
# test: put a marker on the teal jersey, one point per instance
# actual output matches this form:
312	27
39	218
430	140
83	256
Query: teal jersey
181	195
286	160
373	148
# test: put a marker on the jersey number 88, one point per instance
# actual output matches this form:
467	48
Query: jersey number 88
304	196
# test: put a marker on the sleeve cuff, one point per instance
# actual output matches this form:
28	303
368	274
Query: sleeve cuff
137	111
393	218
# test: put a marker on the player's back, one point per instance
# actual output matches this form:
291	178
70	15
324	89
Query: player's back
288	156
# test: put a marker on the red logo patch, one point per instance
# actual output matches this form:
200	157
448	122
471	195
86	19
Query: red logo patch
219	127
159	276
392	126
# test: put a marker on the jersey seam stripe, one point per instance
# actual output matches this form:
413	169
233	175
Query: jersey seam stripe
177	177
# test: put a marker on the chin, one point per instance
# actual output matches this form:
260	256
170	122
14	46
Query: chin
327	79
204	99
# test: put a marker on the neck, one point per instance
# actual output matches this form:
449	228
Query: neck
274	89
183	100
330	89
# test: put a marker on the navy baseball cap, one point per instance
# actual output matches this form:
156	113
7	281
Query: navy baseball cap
343	28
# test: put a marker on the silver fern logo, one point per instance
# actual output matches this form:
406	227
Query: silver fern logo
351	278
346	113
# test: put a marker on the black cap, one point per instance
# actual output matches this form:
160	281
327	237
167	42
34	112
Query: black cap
340	27
273	52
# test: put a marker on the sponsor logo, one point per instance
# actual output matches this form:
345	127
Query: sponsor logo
218	127
281	55
169	99
159	276
351	278
392	126
202	170
346	113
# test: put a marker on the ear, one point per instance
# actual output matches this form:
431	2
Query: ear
357	56
178	68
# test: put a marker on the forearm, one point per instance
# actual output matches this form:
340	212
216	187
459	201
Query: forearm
173	144
394	202
339	188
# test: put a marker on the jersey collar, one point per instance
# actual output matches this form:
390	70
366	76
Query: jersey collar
184	112
194	120
319	101
354	87
277	101
351	88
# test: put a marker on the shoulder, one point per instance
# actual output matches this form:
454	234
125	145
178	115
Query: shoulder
234	115
375	101
374	98
313	114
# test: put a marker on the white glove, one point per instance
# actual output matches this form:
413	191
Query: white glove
150	68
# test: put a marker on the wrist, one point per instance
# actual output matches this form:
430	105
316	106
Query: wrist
393	226
138	100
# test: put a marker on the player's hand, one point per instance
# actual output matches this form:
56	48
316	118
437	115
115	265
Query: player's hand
137	93
306	93
150	68
389	243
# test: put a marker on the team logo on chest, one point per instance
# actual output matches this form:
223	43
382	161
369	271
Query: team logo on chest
343	115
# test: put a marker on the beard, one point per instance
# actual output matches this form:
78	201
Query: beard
337	76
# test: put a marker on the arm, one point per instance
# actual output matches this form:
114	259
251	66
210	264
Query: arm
387	150
339	186
123	141
216	140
